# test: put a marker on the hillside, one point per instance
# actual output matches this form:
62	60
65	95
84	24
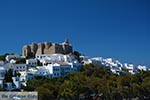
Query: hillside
93	83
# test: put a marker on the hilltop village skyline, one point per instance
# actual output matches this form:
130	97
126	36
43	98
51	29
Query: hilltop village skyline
62	48
53	60
66	47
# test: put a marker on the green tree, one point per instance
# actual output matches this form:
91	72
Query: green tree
8	76
20	60
44	93
68	90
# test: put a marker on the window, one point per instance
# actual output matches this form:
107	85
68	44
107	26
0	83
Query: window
57	74
16	79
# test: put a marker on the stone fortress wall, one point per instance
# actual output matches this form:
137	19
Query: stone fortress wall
47	48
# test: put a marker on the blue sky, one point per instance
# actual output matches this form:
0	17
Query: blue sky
107	28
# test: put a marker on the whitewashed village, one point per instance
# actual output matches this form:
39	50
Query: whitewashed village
52	60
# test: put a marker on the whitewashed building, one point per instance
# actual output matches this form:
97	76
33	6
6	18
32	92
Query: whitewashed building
9	57
32	62
3	71
139	67
65	68
57	69
50	71
16	82
55	57
1	63
19	67
130	67
25	76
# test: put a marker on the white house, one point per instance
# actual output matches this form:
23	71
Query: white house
97	61
139	67
16	82
1	63
19	67
55	57
64	68
3	71
87	61
51	70
32	70
130	68
31	62
9	57
75	66
25	76
57	69
46	62
30	76
115	70
43	71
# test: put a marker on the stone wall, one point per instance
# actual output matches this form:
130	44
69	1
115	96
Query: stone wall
47	48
